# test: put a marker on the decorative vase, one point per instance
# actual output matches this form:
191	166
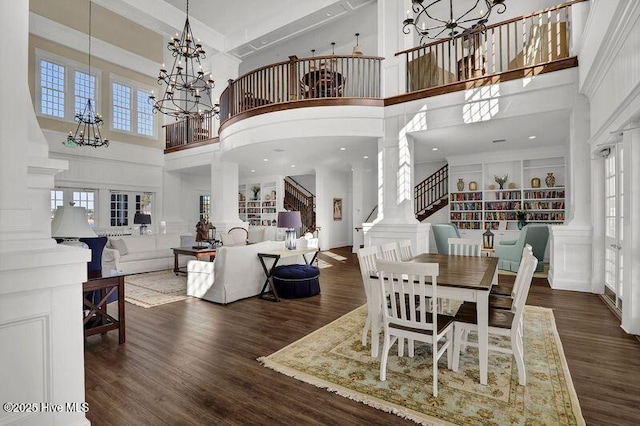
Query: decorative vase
460	185
473	186
535	182
550	180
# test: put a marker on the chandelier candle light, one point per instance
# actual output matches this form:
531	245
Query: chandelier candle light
88	131
186	91
429	26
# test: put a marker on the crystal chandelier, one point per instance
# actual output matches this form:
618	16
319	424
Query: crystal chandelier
186	91
430	26
88	131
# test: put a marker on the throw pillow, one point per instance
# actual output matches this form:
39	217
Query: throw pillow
119	245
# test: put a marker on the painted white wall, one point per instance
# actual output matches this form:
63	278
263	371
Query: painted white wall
332	184
307	181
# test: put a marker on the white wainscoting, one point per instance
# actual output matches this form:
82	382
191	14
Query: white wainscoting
571	258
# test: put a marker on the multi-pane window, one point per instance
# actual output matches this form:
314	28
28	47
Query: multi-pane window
121	106
86	199
145	114
51	89
57	200
205	207
119	211
84	88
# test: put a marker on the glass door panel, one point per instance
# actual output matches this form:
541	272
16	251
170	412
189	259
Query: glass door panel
614	196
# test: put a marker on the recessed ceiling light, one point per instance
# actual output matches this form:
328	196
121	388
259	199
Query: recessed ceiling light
343	149
365	157
265	159
253	170
293	165
328	13
532	137
264	41
434	149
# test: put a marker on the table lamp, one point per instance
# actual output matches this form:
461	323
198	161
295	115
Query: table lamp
143	220
291	221
70	223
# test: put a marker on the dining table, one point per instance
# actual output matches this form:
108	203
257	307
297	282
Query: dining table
463	278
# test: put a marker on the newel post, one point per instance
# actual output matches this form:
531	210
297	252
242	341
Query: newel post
293	77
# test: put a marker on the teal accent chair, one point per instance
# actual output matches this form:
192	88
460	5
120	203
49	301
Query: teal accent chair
442	232
510	252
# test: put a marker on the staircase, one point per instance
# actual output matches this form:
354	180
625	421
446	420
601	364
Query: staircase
432	194
298	198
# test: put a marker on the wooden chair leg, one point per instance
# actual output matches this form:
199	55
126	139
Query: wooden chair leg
385	356
365	330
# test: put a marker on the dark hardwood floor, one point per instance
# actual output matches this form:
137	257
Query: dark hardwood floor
194	362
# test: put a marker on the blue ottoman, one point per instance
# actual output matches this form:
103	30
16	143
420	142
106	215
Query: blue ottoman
292	281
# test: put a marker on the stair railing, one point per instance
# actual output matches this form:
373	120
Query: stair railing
298	198
432	190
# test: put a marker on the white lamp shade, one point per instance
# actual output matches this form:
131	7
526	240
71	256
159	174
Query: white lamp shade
71	222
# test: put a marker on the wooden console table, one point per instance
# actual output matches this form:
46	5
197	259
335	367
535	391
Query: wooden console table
98	320
190	251
276	255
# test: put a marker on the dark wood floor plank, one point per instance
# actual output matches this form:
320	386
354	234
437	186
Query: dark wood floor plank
194	362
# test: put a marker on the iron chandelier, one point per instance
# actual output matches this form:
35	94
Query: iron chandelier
430	26
186	92
88	131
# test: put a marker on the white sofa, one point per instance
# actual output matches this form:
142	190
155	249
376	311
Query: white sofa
141	253
235	274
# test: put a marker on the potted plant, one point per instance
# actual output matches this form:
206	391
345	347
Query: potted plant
256	192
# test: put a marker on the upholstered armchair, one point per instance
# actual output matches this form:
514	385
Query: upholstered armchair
235	237
510	252
442	232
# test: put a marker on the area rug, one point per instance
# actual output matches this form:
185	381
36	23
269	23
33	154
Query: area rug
155	288
333	358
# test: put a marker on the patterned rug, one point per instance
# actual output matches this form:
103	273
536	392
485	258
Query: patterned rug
155	288
333	358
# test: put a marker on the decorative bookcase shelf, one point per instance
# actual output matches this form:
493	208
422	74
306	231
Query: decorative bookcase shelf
258	203
490	206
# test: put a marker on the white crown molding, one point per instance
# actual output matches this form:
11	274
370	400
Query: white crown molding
622	22
77	40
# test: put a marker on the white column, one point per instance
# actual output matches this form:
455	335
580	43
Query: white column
396	218
571	244
631	230
172	208
391	39
41	332
224	194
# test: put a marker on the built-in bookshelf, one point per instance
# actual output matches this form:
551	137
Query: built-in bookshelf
532	188
258	203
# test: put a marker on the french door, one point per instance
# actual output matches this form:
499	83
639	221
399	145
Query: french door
614	220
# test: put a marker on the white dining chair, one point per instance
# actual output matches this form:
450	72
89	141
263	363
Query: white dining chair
501	323
367	257
404	250
407	285
389	251
464	247
504	299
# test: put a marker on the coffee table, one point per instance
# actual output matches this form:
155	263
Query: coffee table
190	251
